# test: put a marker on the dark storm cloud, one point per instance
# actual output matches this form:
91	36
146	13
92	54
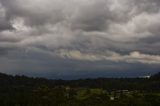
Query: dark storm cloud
86	22
4	23
35	13
116	31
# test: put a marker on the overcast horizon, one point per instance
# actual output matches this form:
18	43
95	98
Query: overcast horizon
71	39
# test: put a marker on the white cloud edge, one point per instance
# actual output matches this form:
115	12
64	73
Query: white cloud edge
132	57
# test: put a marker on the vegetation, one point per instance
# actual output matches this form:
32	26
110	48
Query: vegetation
25	91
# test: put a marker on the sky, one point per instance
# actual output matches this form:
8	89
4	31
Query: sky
72	39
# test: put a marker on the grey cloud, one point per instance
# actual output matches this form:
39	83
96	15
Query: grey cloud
34	13
92	17
132	57
86	29
55	24
4	23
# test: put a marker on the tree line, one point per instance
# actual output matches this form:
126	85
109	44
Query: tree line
26	91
